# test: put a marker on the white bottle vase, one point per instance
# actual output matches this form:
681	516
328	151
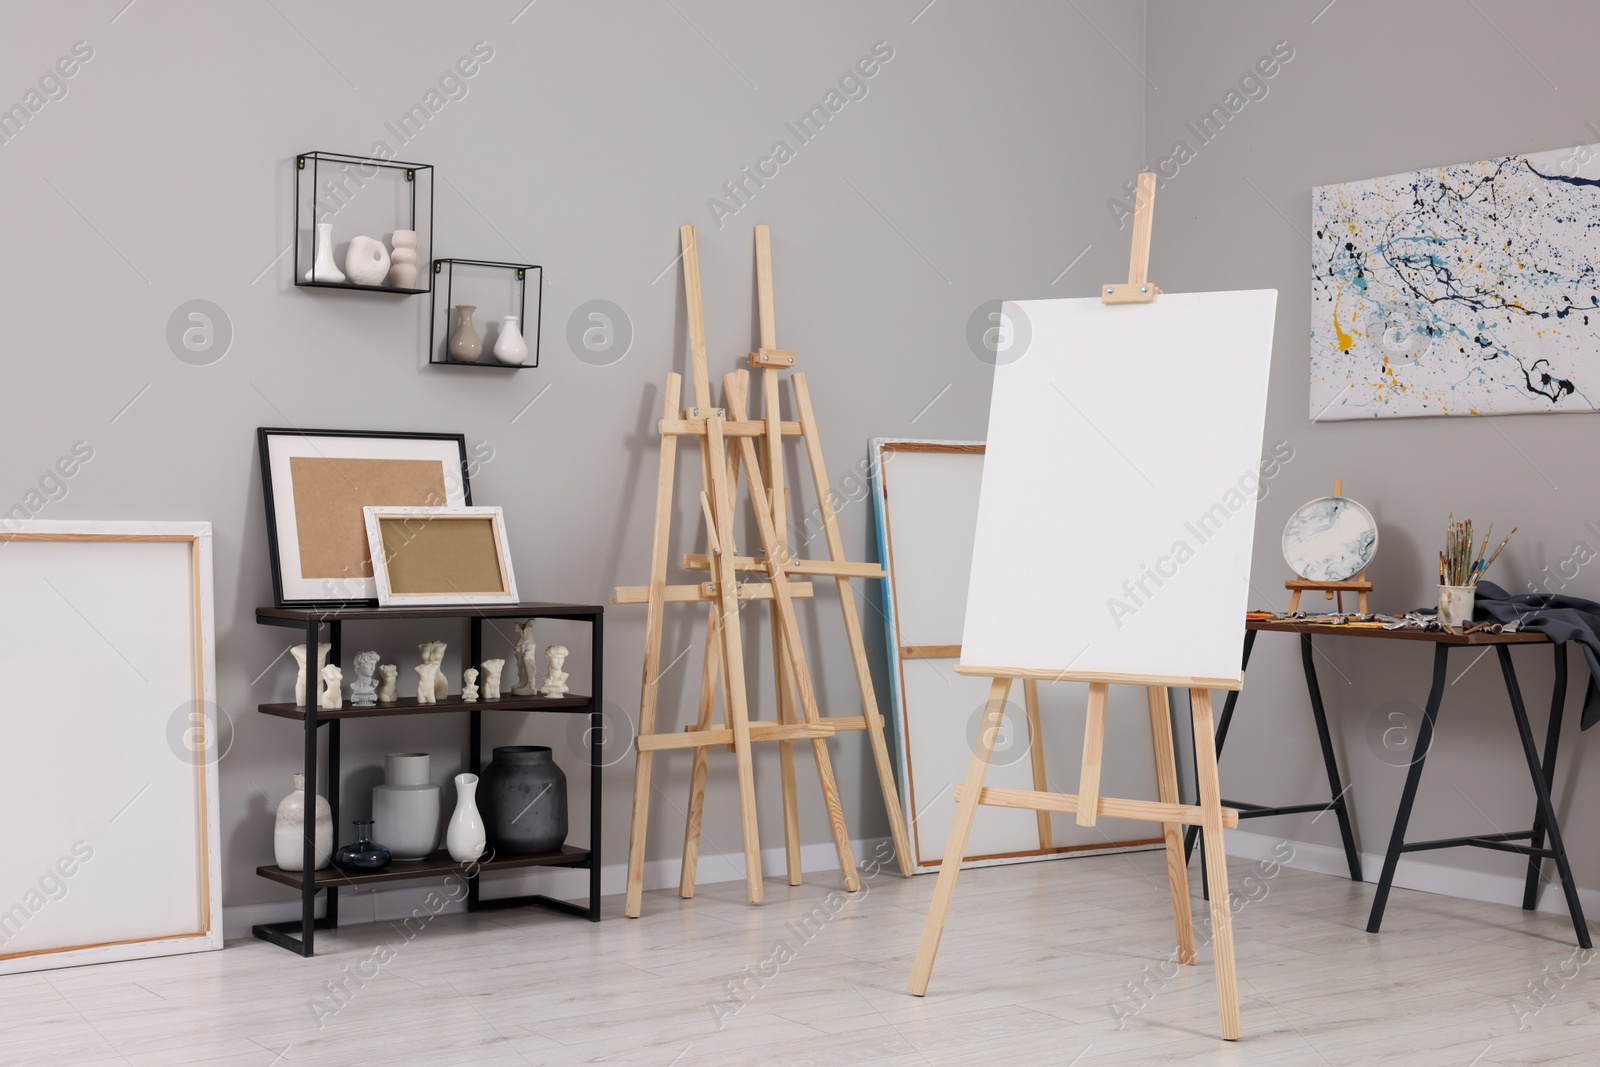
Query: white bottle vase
465	839
289	834
406	807
324	269
509	347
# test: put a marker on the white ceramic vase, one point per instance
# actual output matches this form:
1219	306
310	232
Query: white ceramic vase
403	260
366	261
324	269
509	347
465	838
405	808
289	835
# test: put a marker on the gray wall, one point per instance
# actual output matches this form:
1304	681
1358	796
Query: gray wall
1375	88
975	168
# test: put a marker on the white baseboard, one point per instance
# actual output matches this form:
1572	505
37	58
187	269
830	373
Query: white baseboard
397	902
1410	874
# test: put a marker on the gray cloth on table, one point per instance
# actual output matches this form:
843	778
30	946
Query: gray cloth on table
1561	618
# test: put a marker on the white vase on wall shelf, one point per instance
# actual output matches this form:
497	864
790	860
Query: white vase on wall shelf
465	344
509	347
324	268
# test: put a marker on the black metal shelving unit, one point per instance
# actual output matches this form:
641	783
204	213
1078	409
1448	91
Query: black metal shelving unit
309	168
330	880
439	344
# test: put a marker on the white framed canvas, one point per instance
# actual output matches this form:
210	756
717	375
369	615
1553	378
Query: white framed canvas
440	556
926	507
1459	290
1117	513
109	771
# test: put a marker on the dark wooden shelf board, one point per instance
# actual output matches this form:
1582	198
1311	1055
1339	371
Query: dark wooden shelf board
527	610
1521	637
434	866
572	702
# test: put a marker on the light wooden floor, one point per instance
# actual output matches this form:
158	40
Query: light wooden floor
1025	976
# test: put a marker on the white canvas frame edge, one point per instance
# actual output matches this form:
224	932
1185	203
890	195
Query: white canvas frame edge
380	570
212	937
298	589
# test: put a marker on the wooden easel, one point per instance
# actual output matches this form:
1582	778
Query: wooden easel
1357	585
1087	803
724	659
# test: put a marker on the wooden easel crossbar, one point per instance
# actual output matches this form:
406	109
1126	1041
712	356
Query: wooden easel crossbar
730	441
1087	804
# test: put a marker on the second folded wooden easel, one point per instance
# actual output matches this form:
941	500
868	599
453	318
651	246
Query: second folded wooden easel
729	440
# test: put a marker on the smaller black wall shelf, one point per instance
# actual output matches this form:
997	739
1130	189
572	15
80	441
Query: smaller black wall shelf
346	191
439	324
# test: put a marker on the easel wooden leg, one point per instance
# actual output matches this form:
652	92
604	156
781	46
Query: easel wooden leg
956	849
1171	832
1094	743
1216	862
1030	697
697	780
733	655
852	628
783	675
634	900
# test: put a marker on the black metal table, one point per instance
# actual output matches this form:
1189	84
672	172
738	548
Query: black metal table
439	865
1541	769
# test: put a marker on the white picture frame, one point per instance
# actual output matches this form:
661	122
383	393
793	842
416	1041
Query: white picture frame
487	553
109	773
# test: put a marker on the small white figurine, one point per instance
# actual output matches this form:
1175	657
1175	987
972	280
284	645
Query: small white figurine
555	679
469	686
433	652
332	692
389	689
491	678
526	683
364	691
427	679
299	654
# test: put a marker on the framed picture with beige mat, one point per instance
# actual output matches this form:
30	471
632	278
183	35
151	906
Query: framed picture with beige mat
425	557
315	484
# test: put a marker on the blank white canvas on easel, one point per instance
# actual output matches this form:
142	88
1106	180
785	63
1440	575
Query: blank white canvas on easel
927	514
1117	512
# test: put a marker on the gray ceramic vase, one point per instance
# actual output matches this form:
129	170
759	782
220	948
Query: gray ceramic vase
406	806
523	798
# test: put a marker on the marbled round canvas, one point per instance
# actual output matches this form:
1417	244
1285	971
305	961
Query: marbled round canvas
1331	539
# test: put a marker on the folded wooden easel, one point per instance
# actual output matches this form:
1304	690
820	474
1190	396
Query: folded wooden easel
1088	804
729	441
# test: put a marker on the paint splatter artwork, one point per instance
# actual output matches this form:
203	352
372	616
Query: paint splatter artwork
1464	290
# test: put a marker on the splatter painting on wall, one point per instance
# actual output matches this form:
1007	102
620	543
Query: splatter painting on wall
1463	290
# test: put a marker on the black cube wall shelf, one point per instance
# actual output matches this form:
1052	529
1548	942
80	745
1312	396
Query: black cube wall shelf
348	193
439	318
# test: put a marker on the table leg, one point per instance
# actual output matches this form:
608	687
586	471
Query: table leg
1408	795
1552	738
1221	736
1335	786
1547	810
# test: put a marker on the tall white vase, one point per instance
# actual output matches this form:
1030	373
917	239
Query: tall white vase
289	834
465	839
325	269
509	347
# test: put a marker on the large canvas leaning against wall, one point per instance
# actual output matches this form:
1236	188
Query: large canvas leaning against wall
1464	290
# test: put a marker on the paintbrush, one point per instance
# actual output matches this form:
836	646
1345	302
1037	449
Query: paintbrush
1496	555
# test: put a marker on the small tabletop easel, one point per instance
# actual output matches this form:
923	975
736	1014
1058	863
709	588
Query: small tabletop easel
727	441
1087	803
1357	585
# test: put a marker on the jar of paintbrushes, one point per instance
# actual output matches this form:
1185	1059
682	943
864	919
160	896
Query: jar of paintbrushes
1459	571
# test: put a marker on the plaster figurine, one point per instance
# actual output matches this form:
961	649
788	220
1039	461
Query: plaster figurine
366	261
364	691
491	678
389	689
332	691
555	679
433	652
299	654
427	679
469	685
526	683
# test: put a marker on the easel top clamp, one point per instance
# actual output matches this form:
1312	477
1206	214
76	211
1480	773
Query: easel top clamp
1087	804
